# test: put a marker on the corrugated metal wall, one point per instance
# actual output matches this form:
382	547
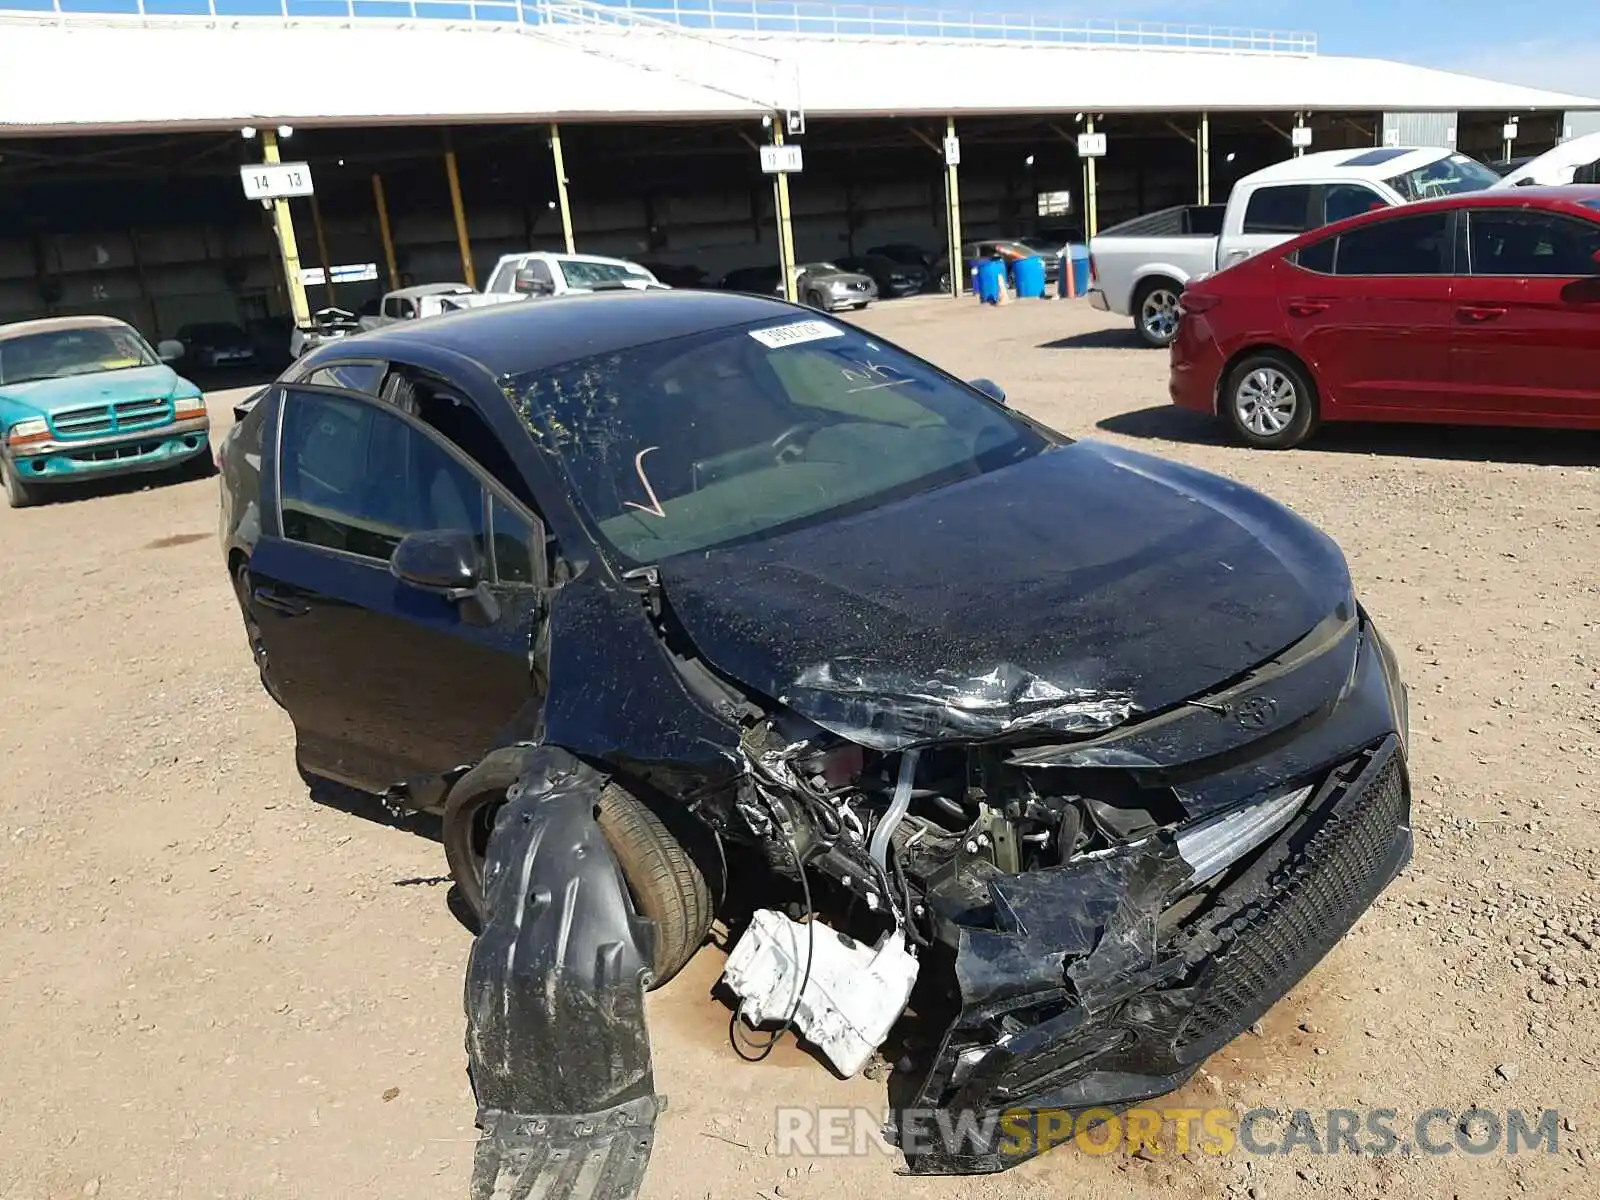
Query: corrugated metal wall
1578	124
1419	129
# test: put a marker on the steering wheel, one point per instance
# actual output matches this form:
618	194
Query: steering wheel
787	442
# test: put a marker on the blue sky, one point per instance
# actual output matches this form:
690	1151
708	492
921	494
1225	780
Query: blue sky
1548	44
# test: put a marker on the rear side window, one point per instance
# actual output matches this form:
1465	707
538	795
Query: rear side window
351	376
1524	243
1404	246
1282	209
1341	200
1318	256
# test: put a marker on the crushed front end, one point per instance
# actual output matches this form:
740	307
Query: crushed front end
1093	915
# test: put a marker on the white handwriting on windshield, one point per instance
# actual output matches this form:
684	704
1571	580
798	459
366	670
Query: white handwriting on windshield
869	375
654	507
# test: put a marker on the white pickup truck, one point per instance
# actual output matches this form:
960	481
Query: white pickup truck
421	301
1139	268
547	273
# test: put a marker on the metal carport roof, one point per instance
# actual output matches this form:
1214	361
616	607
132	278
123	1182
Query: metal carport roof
81	75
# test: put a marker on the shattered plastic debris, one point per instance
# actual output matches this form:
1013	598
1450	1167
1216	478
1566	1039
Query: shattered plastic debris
887	709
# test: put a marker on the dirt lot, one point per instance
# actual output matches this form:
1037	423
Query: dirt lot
213	986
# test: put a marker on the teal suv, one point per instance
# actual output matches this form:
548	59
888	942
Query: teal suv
86	397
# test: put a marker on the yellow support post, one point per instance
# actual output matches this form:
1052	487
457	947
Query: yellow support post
561	187
952	196
785	224
469	276
1203	150
322	251
384	231
288	249
1091	203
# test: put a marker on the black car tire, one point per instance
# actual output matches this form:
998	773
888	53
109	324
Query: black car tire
814	300
18	493
1258	372
667	885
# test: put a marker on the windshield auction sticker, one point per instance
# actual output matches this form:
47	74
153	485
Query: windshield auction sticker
775	337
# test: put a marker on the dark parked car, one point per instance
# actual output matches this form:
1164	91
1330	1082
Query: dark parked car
216	344
723	571
905	252
678	275
892	279
818	285
1481	309
759	281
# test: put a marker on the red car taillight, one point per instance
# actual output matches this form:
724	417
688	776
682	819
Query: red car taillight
1198	302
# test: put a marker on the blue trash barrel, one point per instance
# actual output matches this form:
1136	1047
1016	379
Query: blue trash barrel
1078	255
1029	274
991	280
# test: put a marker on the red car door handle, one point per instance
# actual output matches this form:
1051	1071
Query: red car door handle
1481	312
1307	308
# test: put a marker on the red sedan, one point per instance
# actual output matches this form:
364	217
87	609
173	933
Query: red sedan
1481	309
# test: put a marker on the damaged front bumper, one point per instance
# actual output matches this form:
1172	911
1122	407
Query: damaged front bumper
1096	985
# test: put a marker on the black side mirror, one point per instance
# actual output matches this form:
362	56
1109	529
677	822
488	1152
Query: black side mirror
990	389
526	283
446	561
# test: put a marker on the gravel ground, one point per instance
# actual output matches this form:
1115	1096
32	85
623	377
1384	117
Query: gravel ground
215	986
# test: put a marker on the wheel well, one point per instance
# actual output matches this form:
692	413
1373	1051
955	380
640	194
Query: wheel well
236	559
1149	284
1266	349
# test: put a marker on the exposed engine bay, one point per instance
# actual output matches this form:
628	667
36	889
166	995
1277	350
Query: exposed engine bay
915	835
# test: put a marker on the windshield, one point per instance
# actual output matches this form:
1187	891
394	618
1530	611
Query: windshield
746	432
580	274
73	352
1447	177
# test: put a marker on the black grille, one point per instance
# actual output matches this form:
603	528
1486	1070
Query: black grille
113	453
1312	900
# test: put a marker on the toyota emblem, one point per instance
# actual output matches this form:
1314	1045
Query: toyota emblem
1256	712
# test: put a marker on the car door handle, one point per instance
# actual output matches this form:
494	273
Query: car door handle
1308	308
279	604
1481	312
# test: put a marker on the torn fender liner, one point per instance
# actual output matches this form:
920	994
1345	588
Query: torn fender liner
556	1040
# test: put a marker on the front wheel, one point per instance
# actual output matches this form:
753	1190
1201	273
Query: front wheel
18	493
1269	402
665	882
1155	312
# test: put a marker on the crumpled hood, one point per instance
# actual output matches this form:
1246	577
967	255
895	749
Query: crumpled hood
1066	593
104	387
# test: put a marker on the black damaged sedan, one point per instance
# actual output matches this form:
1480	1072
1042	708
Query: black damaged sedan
1097	752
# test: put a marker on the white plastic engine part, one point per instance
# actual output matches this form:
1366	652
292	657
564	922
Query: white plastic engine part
855	992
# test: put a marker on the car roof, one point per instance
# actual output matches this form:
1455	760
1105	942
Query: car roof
560	256
1366	162
59	325
429	289
510	339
